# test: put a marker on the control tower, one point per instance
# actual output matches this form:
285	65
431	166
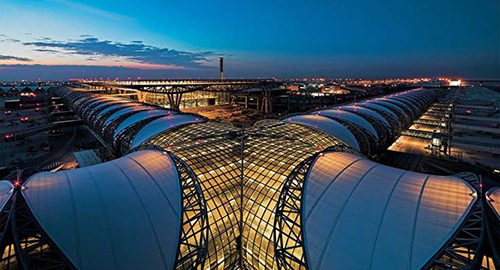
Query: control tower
221	68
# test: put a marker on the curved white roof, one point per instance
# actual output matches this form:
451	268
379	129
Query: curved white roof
105	105
418	100
351	118
123	214
399	112
125	110
162	124
94	100
327	125
364	111
5	192
374	105
391	105
139	117
411	105
84	105
114	106
101	100
398	103
110	102
493	196
358	214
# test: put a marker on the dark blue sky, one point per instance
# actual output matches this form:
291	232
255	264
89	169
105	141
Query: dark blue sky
258	38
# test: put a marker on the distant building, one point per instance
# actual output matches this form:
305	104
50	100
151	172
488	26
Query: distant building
455	83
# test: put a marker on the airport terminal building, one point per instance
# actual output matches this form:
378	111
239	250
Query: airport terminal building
299	192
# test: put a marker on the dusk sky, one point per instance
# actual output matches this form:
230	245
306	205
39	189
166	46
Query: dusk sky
61	39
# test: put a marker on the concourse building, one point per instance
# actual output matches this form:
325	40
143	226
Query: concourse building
294	193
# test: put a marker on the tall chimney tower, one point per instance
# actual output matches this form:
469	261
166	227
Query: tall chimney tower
221	68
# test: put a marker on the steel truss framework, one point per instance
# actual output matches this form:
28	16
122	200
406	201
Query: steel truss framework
174	89
194	233
24	243
288	235
464	249
182	86
493	227
5	234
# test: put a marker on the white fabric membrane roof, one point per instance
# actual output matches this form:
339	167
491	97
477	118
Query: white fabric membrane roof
5	192
349	117
413	105
327	125
388	104
493	196
162	124
123	214
139	117
374	105
126	110
403	105
364	111
100	101
358	214
114	106
109	103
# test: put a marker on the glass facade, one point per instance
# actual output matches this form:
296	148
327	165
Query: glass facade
189	99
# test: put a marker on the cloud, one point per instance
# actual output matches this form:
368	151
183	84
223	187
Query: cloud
9	40
65	72
47	50
135	51
14	58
